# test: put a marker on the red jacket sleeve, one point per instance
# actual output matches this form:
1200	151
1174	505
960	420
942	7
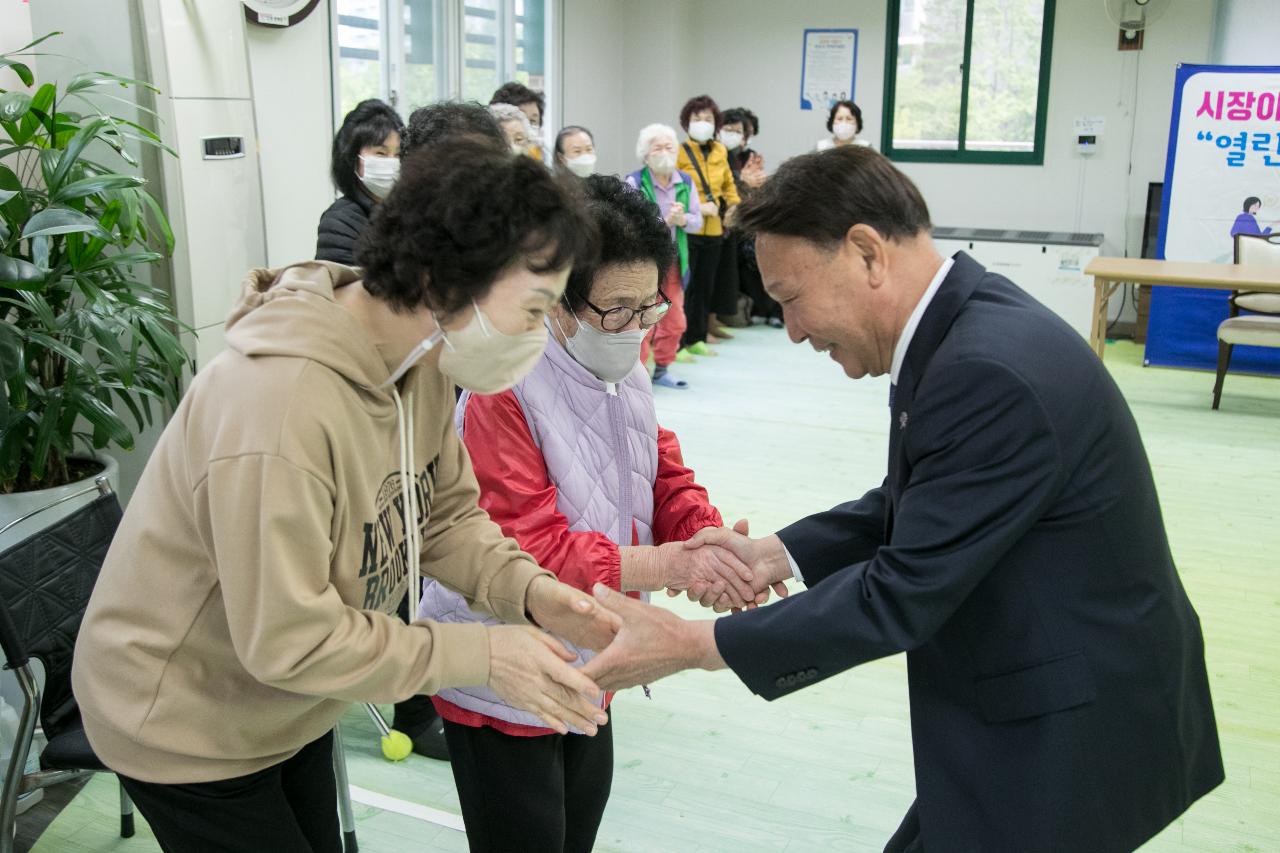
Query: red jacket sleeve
680	506
519	497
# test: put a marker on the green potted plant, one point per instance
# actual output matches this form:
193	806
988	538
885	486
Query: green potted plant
81	337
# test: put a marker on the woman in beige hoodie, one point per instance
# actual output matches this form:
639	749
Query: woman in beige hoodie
310	474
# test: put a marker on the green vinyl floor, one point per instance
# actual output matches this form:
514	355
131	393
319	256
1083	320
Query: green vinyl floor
775	431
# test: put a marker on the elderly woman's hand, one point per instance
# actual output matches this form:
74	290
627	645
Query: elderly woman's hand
714	572
531	670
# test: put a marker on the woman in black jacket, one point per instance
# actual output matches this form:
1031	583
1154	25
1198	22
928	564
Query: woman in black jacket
365	165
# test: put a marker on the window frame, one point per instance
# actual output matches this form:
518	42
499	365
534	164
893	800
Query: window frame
451	42
1035	157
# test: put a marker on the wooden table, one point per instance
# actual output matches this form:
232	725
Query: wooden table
1109	273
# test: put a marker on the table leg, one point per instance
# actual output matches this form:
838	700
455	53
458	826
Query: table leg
1098	329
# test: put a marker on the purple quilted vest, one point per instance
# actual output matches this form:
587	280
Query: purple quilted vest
600	445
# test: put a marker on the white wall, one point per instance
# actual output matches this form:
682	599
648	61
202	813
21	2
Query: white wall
1247	32
747	52
293	109
15	31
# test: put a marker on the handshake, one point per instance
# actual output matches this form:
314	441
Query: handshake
720	568
723	569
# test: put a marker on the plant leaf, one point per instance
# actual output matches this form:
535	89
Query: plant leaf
96	184
14	105
10	350
44	37
100	415
40	252
19	274
47	414
62	220
20	68
162	221
86	134
89	79
57	346
5	195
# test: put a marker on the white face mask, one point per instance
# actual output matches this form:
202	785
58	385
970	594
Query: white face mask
380	175
662	162
610	356
582	165
480	358
484	360
701	131
731	139
845	130
518	149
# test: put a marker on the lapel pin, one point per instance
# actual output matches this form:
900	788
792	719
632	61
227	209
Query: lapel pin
902	421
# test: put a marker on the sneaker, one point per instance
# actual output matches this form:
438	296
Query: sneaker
430	741
776	322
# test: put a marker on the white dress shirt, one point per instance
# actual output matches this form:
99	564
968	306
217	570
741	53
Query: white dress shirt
899	356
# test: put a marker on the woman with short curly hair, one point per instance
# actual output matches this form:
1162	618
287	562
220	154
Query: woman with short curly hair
308	478
573	465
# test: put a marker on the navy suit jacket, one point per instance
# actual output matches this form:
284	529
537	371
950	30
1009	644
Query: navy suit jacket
1016	553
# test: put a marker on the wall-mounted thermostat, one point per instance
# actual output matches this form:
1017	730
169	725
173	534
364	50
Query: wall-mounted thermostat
223	147
1087	132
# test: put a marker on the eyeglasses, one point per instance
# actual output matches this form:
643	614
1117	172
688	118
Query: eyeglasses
617	319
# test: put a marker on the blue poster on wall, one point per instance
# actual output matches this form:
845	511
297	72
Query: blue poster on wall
827	68
1222	178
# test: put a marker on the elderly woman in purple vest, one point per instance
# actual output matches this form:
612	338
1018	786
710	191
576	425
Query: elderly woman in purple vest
573	465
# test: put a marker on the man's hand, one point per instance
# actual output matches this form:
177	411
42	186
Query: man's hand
652	644
716	572
570	613
531	670
767	559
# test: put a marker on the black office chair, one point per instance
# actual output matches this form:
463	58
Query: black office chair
45	582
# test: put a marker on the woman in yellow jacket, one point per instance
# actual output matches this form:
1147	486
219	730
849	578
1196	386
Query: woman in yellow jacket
713	280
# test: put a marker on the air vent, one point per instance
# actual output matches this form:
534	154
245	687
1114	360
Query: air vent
223	147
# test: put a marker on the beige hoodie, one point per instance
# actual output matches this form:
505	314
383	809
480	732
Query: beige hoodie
249	594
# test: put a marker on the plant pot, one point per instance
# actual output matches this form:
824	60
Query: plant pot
19	504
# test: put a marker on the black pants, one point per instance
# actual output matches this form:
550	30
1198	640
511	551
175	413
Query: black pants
531	794
724	295
416	714
704	262
762	304
289	808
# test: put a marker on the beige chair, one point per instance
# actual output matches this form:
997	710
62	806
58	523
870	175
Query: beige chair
1261	327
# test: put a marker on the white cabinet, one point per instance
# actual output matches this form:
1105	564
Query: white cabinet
1047	265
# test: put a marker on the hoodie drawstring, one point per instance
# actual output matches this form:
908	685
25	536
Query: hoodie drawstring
410	512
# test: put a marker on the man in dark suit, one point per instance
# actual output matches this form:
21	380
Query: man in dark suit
1015	551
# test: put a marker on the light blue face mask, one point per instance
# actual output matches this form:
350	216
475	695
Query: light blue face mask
610	356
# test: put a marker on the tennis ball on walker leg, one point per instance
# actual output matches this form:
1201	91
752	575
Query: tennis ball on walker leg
396	746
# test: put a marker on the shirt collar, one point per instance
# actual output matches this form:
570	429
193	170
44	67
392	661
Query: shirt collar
908	331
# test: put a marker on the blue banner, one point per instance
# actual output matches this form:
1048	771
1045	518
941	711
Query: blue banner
1222	178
